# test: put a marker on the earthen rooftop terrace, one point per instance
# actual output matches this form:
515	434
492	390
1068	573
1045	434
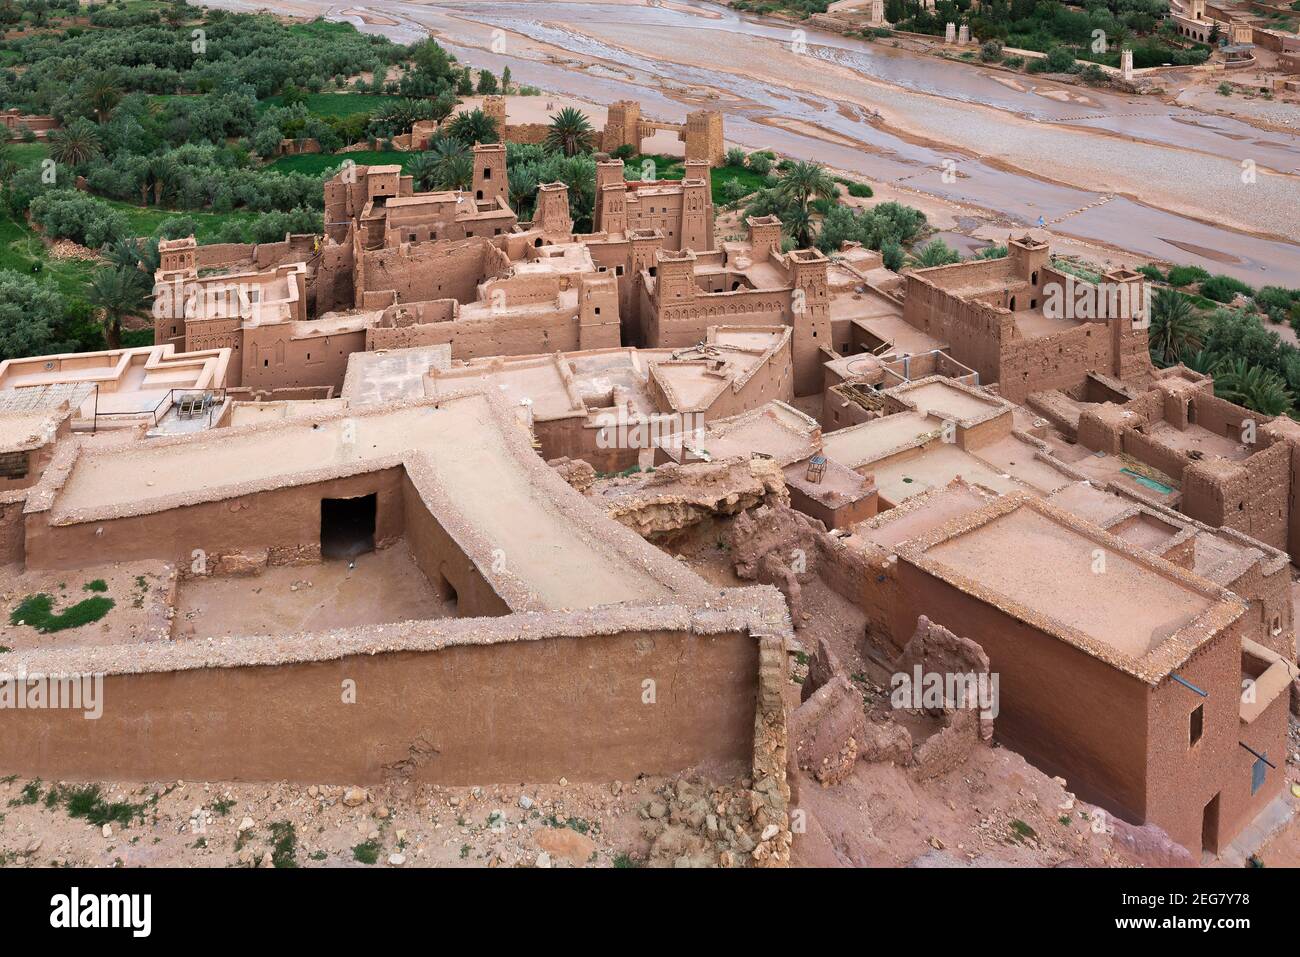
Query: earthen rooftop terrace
465	453
1035	562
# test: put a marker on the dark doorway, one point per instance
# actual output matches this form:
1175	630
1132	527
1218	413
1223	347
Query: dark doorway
347	526
1210	827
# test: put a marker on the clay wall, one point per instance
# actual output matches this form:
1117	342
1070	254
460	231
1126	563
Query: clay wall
444	563
511	710
273	357
426	271
503	334
284	522
1059	361
1183	777
1065	711
1251	496
1156	454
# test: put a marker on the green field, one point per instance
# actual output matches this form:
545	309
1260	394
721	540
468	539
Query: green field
22	251
335	104
145	220
674	167
313	164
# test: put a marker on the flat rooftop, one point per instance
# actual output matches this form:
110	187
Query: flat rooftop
1036	563
773	429
859	444
905	476
388	375
483	481
948	401
120	382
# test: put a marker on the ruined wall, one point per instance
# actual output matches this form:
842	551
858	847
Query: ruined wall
505	334
511	710
12	529
1250	496
1059	361
442	270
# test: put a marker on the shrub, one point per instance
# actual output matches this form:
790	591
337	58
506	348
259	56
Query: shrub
860	190
69	214
891	254
1060	60
760	163
1186	275
991	51
736	157
1224	288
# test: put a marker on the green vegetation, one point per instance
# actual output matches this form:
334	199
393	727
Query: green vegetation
37	612
30	794
284	844
87	801
1251	365
1021	832
97	585
797	9
1065	32
170	129
368	852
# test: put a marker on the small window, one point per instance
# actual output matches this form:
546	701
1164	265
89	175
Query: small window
487	172
1197	725
1258	771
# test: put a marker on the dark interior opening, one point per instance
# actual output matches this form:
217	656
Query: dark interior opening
347	526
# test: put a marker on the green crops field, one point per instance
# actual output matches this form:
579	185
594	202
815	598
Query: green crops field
335	104
313	164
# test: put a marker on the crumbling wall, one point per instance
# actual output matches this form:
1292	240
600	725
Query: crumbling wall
1059	361
674	497
935	650
432	270
1251	496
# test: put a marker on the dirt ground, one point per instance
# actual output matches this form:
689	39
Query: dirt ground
141	593
384	586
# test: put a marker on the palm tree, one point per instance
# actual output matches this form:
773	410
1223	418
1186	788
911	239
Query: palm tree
802	180
935	253
423	169
473	126
1255	387
456	172
797	223
164	172
570	132
1176	327
448	160
76	144
523	190
103	93
116	293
